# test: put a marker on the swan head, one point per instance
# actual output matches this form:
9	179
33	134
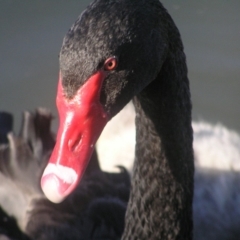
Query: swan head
112	52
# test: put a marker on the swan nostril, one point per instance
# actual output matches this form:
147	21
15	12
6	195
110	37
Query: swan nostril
74	145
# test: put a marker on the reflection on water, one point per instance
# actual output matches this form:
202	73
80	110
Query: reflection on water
31	35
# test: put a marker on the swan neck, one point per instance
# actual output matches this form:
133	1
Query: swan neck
160	205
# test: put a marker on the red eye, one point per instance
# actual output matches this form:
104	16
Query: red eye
110	64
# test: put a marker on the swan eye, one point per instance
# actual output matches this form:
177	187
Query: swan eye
110	64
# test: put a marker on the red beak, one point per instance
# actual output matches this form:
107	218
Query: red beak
82	119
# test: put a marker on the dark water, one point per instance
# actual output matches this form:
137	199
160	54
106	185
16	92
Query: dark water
31	33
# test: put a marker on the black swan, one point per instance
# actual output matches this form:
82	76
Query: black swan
95	210
116	51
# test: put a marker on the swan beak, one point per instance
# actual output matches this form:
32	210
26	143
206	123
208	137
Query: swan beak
82	119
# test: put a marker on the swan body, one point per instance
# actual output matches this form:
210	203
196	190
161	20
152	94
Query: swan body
94	211
217	177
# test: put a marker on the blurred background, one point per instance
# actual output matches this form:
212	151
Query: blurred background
31	34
